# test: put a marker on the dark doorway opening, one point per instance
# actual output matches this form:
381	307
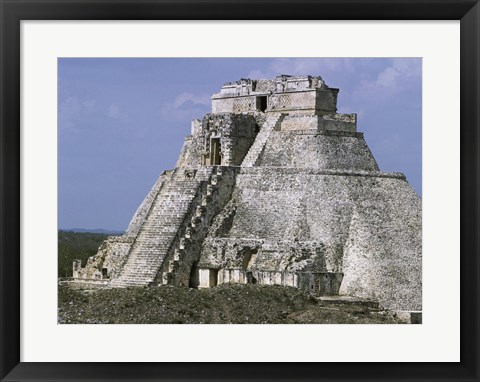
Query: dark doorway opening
215	158
250	278
247	258
213	277
262	103
194	281
104	273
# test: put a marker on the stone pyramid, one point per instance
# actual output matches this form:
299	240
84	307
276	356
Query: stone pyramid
274	187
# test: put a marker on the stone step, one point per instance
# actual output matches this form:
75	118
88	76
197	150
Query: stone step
151	260
145	260
138	278
154	243
138	275
132	282
140	268
259	143
146	277
140	265
146	271
168	213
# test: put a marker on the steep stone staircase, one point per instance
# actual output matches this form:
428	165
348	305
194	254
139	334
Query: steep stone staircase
271	123
178	266
160	229
146	206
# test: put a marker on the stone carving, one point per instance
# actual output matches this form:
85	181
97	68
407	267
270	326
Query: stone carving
278	102
243	104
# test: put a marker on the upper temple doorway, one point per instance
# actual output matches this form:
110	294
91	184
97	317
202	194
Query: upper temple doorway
215	157
262	103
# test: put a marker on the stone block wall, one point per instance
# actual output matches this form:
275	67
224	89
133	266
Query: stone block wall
382	253
285	94
196	127
326	101
295	102
326	150
300	122
340	122
304	102
108	261
320	123
235	134
319	284
204	278
365	225
262	255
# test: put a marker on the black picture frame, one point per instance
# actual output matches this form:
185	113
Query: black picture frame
13	11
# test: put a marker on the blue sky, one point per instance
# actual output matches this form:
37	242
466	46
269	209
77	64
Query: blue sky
121	121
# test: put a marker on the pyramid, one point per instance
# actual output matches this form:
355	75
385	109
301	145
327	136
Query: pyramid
273	187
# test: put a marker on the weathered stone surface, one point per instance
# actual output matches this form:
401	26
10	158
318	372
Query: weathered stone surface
274	187
232	134
285	94
105	264
347	151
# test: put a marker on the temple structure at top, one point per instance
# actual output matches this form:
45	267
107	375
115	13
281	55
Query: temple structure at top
285	94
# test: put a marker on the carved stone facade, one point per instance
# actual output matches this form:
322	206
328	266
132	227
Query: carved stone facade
285	94
274	187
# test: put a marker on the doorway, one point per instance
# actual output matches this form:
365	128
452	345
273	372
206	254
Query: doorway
262	103
215	148
249	258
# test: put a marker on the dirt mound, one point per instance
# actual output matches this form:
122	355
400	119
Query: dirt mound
225	304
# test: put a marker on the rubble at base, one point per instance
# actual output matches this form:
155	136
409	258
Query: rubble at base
223	304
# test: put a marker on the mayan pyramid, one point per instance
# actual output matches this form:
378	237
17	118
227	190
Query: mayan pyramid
273	187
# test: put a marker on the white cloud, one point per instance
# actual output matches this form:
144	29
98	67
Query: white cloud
203	99
295	66
392	79
258	75
387	78
89	105
71	109
399	70
69	106
185	106
114	111
292	66
410	67
304	66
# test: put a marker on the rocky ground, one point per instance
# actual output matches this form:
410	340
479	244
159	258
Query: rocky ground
225	304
